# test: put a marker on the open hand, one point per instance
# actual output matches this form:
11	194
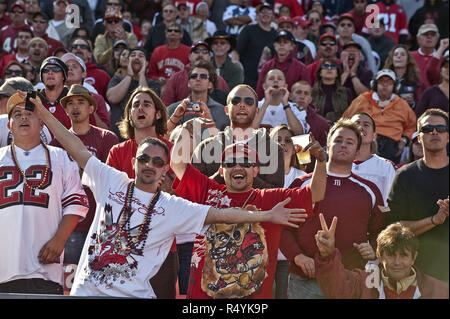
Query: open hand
287	216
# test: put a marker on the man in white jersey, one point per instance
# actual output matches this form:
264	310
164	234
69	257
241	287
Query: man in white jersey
41	202
369	165
135	222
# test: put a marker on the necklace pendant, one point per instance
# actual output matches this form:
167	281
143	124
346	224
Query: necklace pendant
26	153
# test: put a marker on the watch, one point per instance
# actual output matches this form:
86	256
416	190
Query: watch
287	106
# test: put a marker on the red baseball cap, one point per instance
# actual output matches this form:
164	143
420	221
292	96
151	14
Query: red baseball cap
285	20
327	35
240	150
298	20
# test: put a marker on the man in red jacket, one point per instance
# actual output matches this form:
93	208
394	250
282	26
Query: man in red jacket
396	277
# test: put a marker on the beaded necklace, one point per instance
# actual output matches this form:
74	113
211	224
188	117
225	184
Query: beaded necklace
125	231
47	167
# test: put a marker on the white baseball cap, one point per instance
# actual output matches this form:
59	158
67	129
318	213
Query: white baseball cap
386	72
70	56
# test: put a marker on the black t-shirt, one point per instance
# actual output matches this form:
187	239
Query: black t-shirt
415	190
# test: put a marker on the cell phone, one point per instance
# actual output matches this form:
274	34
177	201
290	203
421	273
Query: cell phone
194	107
29	106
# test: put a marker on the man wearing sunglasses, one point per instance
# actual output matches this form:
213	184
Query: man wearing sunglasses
9	33
419	195
40	25
131	235
104	43
235	261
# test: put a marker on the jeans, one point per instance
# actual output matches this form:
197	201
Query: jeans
281	280
32	286
303	288
184	256
74	246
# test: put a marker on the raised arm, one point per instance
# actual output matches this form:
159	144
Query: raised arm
319	177
71	143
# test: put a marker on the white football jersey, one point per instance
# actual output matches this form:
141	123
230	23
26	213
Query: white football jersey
379	171
30	218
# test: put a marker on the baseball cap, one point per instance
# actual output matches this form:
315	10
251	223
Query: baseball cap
70	56
386	72
285	34
424	28
240	150
198	43
298	20
181	3
346	16
78	90
285	19
15	100
263	5
19	4
352	43
12	85
327	35
55	61
117	42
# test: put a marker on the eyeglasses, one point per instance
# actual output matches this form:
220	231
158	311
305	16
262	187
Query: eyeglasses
349	25
325	43
80	46
204	51
314	20
110	21
119	48
39	21
242	162
17	11
51	68
247	100
430	128
113	4
15	72
329	66
157	161
174	30
202	76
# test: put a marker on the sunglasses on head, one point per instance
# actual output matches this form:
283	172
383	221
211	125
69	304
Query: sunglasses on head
80	46
157	161
430	128
247	100
51	68
109	21
174	30
202	76
204	51
242	162
329	66
15	72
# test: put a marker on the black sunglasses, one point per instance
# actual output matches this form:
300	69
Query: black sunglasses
247	100
329	66
81	46
325	43
15	72
204	51
243	162
157	161
202	76
51	68
174	30
39	21
109	21
430	128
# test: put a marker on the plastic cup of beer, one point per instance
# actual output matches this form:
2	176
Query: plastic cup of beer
304	157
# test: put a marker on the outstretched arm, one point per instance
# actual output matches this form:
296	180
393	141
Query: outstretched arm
71	143
277	215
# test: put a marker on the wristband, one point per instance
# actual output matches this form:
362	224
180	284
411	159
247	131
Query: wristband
287	106
170	119
353	76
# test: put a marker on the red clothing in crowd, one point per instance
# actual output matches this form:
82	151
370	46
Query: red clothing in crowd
8	58
4	20
98	78
98	141
394	18
339	283
165	62
198	188
296	8
423	61
177	89
52	44
8	35
356	202
293	69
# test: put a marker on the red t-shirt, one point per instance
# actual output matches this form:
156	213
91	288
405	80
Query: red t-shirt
235	264
8	36
98	141
165	62
97	78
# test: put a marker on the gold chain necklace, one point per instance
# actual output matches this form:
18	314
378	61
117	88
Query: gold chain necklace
47	167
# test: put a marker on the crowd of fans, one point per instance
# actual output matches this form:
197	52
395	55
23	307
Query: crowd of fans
281	68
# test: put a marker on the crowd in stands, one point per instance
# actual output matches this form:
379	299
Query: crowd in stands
367	80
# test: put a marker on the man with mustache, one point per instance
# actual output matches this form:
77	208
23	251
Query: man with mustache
419	195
